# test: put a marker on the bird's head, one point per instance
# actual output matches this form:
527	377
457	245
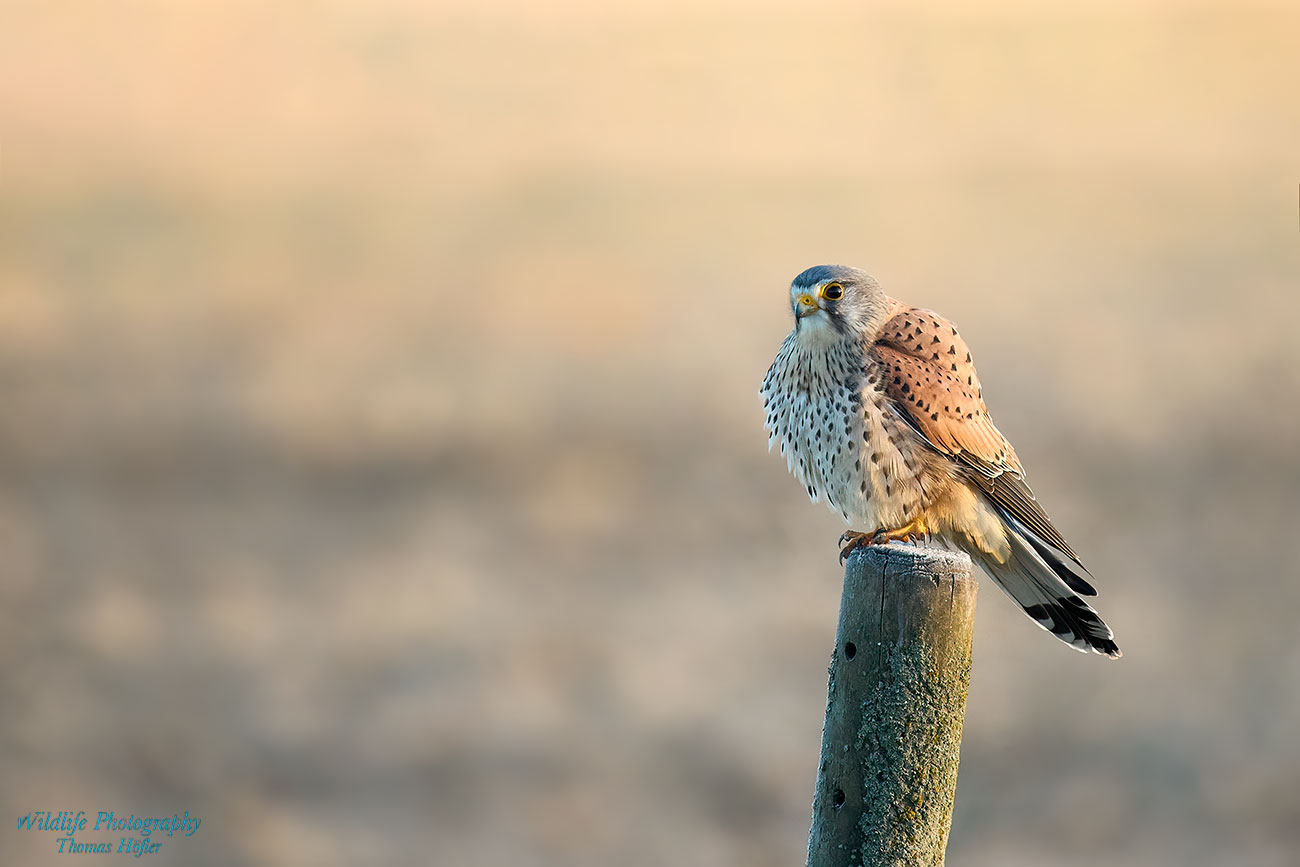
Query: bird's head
833	302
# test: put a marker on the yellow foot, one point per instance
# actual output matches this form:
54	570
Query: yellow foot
853	540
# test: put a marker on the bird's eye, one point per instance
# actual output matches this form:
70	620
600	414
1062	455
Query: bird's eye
832	291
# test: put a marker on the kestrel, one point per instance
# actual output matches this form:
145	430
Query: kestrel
877	408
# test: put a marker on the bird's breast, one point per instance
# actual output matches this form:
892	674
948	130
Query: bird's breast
841	437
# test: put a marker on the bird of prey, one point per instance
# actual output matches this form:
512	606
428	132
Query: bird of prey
878	410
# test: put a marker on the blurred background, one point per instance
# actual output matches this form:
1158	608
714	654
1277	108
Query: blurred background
382	476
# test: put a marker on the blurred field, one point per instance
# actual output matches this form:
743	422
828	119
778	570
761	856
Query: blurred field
381	468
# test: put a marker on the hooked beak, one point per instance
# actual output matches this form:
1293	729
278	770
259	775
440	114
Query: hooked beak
806	305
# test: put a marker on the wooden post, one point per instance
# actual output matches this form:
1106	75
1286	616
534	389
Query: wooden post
894	710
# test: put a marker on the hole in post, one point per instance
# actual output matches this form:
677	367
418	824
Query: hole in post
850	650
838	799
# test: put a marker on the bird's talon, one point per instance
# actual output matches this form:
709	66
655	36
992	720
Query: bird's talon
852	540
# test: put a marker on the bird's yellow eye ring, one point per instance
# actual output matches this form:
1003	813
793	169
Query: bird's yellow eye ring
832	291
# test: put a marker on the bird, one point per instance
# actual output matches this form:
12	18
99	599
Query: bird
878	410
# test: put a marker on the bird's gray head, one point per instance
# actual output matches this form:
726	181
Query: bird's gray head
834	302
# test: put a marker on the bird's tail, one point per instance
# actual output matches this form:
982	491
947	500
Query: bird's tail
1037	585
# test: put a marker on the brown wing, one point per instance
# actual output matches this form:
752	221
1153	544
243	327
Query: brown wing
929	374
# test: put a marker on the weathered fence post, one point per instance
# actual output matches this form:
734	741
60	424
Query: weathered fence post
894	710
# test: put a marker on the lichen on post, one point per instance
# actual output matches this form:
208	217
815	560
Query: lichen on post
895	705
